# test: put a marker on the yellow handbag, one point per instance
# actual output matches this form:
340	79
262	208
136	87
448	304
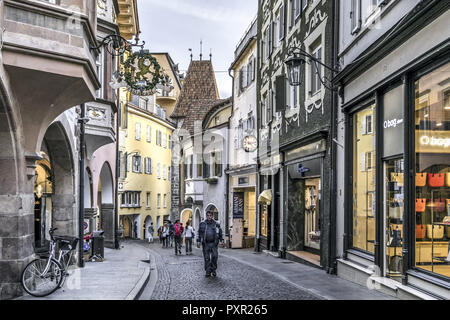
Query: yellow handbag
435	232
397	177
447	179
421	179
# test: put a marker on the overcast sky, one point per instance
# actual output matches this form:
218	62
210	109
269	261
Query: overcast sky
174	26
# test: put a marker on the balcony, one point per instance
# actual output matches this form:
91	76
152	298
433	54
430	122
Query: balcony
194	190
163	95
128	19
100	130
47	57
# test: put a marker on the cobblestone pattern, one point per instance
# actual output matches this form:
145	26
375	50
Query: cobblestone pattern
183	278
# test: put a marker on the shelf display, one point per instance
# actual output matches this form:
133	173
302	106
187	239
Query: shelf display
394	209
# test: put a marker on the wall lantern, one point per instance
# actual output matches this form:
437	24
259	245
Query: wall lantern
295	64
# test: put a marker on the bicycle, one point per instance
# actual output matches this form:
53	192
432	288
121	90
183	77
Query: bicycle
43	276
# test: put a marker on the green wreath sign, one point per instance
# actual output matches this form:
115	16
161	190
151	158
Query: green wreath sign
143	74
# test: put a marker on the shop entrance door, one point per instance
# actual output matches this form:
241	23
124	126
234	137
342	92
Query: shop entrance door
312	213
393	217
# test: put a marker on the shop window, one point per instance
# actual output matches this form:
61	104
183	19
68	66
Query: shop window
364	173
264	222
432	180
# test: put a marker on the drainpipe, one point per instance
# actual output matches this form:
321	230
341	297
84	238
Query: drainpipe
227	220
331	268
82	120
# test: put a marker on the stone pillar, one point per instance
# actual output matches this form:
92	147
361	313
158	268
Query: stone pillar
107	220
16	241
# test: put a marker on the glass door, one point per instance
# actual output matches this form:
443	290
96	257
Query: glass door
393	213
312	213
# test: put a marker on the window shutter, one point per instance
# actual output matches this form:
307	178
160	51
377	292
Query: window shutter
141	164
151	165
128	162
271	38
363	125
355	16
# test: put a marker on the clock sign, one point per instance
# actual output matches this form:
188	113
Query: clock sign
250	143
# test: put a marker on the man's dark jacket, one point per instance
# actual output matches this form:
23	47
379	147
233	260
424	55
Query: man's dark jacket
210	231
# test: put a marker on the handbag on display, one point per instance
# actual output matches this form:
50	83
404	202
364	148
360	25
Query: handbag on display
421	179
395	210
435	232
436	179
420	205
396	240
421	231
397	177
438	205
447	179
447	205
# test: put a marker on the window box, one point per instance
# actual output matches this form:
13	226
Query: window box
212	180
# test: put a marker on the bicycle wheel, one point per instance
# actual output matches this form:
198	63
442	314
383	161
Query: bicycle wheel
38	284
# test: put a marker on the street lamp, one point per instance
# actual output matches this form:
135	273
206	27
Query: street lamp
295	64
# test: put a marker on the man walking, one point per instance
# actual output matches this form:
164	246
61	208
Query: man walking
209	235
189	235
178	233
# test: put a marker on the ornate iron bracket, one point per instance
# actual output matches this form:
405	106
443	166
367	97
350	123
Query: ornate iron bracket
116	45
297	52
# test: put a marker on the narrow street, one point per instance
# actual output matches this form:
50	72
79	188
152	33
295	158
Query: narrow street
183	278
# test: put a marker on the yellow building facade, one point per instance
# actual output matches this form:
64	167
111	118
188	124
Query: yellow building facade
145	157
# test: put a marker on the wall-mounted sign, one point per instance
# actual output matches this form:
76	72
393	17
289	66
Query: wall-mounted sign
238	205
393	122
301	169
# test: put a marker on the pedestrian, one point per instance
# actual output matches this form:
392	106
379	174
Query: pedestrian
209	235
165	234
178	234
171	233
150	233
189	235
160	234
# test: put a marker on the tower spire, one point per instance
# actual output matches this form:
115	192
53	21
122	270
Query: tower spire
201	49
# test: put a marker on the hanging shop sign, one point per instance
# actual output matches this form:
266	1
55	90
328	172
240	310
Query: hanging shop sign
142	75
238	205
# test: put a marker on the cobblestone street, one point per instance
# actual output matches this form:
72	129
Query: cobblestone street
183	278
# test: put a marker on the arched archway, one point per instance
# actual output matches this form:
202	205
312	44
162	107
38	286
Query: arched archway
16	200
105	203
64	213
147	223
185	216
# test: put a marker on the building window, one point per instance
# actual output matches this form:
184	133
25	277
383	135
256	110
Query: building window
149	134
165	200
148	166
164	172
169	173
158	172
138	131
148	200
199	166
137	164
355	16
364	174
316	71
143	103
131	199
100	73
158	201
432	171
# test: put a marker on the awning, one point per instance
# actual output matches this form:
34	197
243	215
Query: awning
265	197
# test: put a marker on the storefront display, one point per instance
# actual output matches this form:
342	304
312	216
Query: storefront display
432	127
364	174
394	210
